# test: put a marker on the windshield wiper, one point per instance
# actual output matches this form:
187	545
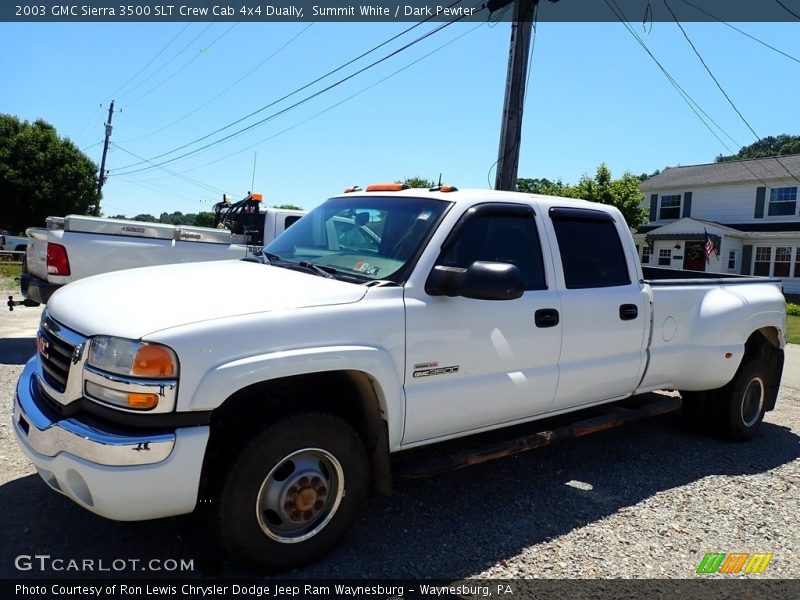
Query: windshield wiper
326	272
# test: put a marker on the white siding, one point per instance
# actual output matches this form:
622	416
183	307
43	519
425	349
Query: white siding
727	204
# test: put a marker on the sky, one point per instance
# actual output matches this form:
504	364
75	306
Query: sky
593	96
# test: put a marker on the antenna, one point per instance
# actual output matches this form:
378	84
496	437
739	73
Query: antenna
252	181
440	181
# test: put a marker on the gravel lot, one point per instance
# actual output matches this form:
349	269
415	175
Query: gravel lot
646	501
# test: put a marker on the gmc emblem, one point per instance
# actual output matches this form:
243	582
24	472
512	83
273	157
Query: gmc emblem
42	345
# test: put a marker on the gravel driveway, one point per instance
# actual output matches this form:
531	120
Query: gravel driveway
647	500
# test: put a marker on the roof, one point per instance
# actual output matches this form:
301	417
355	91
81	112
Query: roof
473	196
736	171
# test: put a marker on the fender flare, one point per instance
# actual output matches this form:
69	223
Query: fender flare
224	380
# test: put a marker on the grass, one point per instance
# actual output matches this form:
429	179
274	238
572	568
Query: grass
793	329
8	271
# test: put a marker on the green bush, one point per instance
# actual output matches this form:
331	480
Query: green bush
793	309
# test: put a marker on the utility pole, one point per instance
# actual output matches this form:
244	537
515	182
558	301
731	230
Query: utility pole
101	178
511	124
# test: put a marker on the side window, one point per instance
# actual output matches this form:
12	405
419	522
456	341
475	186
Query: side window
499	238
291	220
591	252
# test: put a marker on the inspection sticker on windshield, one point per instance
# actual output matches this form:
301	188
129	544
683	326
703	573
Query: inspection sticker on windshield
366	268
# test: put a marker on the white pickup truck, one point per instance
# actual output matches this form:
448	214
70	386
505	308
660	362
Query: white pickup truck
76	246
13	243
437	314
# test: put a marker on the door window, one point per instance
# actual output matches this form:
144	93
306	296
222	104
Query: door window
590	248
499	238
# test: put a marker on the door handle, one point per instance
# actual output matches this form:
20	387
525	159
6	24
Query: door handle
628	312
546	317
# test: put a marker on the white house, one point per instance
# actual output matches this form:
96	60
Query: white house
748	208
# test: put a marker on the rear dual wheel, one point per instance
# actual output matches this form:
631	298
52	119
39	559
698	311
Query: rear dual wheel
734	411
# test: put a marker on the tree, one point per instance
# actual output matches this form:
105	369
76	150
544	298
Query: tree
623	193
146	218
769	146
289	207
42	174
544	186
204	219
417	182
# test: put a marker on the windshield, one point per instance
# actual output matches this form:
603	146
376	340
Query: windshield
369	237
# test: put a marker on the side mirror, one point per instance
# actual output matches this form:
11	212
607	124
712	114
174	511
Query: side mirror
483	280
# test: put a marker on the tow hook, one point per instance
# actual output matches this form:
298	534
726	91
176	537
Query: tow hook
12	303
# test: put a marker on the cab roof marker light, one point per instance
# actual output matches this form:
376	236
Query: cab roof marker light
386	187
443	188
256	197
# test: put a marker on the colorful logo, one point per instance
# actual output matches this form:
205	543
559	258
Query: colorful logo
734	562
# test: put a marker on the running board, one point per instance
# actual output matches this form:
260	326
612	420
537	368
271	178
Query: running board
613	415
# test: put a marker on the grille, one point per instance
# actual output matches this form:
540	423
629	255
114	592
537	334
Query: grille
56	355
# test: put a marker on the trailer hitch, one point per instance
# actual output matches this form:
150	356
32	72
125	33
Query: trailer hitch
11	303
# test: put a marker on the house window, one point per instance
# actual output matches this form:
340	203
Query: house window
665	257
782	201
670	207
646	255
732	260
763	260
797	263
783	258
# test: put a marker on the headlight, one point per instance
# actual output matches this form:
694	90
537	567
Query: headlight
131	375
137	359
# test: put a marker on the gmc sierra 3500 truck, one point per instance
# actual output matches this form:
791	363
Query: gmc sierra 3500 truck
443	314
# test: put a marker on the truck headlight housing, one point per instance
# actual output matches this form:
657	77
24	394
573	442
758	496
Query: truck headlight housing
132	359
130	375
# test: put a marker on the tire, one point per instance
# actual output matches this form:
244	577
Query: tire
293	492
741	404
696	410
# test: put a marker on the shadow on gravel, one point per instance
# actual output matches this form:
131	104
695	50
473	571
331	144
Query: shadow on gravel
452	525
16	351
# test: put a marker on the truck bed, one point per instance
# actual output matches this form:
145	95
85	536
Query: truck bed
662	276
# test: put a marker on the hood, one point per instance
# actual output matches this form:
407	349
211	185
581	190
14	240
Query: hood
135	302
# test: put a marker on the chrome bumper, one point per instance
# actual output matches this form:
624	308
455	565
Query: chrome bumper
103	446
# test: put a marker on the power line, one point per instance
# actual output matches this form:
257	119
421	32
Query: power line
300	102
788	10
690	102
151	61
744	33
292	93
182	67
200	184
719	85
164	65
231	86
339	103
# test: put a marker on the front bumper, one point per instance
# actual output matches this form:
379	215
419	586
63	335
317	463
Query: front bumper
118	474
36	289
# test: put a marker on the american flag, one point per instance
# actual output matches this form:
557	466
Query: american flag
708	246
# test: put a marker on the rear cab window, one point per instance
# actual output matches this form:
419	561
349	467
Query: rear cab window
592	255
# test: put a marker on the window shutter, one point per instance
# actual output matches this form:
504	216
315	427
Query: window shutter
761	193
687	204
653	207
747	257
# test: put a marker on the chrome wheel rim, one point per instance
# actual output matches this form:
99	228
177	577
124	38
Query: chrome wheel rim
300	495
752	402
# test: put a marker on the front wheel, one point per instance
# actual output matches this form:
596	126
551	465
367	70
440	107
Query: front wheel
293	492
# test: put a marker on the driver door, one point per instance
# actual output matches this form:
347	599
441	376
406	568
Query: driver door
473	364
